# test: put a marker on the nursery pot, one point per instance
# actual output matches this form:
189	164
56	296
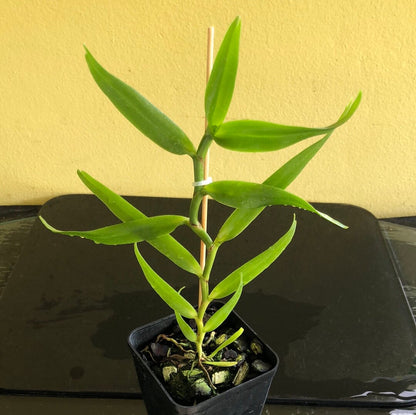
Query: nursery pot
244	399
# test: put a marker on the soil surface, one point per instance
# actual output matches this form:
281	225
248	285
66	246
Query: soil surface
173	359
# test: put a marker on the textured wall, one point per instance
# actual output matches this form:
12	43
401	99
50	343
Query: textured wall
301	62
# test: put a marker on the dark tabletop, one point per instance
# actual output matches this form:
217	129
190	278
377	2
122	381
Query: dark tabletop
15	225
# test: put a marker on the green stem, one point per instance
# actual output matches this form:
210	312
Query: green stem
194	207
204	144
200	333
204	284
201	232
198	195
196	201
198	160
211	254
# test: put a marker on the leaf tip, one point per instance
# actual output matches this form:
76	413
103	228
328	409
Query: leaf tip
89	58
358	98
237	21
46	224
87	52
83	176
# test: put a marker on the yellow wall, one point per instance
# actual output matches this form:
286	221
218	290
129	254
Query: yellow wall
301	62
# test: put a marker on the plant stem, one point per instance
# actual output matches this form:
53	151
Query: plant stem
200	334
205	144
201	232
212	252
195	225
205	300
198	160
194	207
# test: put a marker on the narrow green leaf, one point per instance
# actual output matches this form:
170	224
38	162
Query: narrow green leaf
220	363
236	223
241	218
284	176
349	110
221	315
165	244
127	232
254	267
117	205
185	328
167	293
259	136
221	82
177	253
140	112
240	194
230	340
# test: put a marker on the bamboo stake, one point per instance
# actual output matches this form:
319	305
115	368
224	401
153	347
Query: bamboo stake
204	209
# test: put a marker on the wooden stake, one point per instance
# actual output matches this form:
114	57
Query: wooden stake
204	209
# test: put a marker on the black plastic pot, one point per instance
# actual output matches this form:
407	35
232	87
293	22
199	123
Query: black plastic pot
245	399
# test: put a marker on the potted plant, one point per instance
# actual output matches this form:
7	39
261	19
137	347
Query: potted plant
208	344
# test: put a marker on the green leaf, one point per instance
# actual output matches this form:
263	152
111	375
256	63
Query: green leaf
167	293
117	205
241	218
230	340
140	112
127	232
349	110
221	82
239	194
185	328
284	176
165	244
254	267
220	363
259	136
236	223
221	315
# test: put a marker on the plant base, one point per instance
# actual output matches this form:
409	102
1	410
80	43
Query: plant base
247	398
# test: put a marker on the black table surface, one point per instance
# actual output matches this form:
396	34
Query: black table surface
16	223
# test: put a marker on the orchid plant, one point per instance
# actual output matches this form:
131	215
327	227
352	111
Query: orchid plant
249	199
